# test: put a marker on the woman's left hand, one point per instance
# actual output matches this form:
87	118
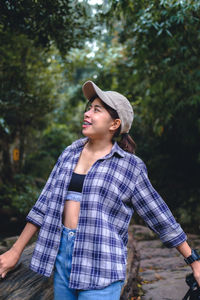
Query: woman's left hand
196	270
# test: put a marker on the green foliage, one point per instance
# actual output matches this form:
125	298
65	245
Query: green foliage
20	196
160	70
31	75
189	211
67	23
29	90
41	158
26	84
27	193
149	52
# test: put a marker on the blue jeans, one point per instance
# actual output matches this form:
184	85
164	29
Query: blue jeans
62	274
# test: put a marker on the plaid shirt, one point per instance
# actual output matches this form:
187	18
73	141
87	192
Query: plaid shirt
115	186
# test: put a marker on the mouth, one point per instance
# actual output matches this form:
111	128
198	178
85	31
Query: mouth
85	124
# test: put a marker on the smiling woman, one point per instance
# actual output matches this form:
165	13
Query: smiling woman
85	208
98	122
126	142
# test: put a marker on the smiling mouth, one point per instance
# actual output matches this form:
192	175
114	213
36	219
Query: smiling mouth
87	123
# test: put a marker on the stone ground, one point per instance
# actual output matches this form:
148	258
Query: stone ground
154	272
162	270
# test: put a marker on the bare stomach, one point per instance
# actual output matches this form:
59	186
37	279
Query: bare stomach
71	214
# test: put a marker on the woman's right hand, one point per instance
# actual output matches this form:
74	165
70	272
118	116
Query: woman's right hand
8	260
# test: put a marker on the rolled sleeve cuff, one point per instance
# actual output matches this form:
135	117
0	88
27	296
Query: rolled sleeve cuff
174	238
35	217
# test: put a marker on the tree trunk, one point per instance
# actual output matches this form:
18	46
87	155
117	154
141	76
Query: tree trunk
6	171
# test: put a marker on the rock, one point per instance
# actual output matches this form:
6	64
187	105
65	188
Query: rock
8	242
160	270
2	249
142	233
163	270
22	283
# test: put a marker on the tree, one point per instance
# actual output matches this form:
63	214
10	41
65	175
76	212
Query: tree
67	23
31	82
28	31
161	68
26	95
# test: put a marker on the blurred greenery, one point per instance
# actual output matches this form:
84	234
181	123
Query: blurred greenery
21	195
147	50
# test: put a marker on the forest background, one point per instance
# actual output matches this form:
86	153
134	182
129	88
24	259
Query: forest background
147	50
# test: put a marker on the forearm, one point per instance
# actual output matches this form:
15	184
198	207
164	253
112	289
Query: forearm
27	233
186	251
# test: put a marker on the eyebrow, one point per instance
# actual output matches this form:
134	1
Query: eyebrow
96	105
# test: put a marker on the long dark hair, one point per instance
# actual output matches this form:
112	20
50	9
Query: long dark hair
125	142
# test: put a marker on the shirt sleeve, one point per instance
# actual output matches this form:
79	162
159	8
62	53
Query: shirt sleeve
155	212
38	211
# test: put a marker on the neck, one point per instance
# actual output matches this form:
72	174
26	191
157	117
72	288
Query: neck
98	145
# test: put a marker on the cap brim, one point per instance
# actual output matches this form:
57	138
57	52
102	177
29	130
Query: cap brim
90	89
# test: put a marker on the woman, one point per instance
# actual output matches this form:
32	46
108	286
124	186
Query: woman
86	205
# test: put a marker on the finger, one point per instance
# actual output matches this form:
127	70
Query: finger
3	271
3	275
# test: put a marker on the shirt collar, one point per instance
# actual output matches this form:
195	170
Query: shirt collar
115	148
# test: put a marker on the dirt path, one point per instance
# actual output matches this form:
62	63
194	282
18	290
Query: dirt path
162	270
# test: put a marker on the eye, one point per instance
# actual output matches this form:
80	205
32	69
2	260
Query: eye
96	109
88	107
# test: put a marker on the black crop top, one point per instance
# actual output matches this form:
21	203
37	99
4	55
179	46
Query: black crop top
76	183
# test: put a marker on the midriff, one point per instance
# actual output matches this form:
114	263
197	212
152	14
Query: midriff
71	214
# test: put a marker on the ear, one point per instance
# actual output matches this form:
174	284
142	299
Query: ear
115	124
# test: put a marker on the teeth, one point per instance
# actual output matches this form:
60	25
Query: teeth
86	123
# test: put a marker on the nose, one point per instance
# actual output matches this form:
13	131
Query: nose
87	113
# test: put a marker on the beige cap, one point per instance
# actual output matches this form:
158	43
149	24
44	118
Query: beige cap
115	100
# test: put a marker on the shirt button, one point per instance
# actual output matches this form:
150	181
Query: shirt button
56	247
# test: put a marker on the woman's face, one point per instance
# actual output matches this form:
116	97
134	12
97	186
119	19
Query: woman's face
97	121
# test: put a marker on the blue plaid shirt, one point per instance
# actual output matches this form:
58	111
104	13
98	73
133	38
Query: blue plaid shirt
115	186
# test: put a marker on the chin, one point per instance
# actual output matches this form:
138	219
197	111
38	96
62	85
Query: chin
86	134
90	135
